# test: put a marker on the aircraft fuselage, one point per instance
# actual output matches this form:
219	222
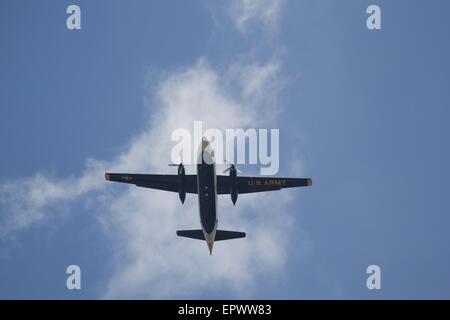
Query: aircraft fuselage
207	192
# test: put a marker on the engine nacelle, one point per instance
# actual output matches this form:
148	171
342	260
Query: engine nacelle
234	190
181	183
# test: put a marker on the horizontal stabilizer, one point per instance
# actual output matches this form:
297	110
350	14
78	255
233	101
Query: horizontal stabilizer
220	234
193	234
228	235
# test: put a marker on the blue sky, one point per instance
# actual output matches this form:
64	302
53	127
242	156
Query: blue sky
365	113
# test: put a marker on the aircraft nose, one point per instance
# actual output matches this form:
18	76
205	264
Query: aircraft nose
205	143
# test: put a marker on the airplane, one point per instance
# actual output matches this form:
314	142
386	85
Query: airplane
207	185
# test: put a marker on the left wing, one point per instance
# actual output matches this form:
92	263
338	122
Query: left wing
259	184
167	182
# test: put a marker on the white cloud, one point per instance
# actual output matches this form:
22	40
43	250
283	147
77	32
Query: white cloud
150	260
246	13
154	258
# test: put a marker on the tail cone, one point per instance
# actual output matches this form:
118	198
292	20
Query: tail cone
210	247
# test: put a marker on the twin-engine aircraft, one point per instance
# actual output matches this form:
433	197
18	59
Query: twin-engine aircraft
208	185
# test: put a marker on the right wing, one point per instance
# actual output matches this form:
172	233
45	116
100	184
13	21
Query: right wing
167	182
259	184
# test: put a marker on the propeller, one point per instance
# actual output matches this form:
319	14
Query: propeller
231	167
177	164
181	179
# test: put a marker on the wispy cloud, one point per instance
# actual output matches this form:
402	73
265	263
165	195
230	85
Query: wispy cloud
248	13
27	201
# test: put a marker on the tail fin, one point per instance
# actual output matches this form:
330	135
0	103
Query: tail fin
220	234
